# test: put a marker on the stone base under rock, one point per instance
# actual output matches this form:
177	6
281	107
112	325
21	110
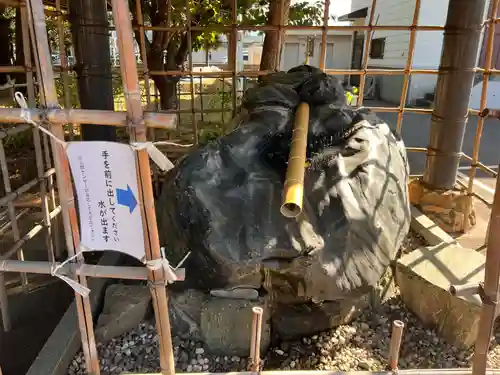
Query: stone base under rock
124	307
448	208
424	278
226	326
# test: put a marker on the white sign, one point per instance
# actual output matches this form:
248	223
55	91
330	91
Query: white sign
106	185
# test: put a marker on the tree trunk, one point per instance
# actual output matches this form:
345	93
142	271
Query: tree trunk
89	28
271	48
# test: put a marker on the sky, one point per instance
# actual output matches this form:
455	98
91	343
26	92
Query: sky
337	7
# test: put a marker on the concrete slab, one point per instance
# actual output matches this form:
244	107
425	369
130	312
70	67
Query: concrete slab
424	277
428	229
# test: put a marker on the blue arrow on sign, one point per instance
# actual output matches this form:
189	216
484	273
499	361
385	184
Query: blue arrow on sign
126	198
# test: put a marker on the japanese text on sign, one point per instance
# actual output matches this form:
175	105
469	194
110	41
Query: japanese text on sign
106	185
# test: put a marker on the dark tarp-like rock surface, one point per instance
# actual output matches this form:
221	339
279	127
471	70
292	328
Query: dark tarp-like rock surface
222	201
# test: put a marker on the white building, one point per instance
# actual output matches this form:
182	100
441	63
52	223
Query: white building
389	49
338	49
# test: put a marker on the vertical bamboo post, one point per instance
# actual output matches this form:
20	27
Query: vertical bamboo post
281	32
482	105
490	288
138	133
46	148
37	140
233	49
366	53
144	58
190	67
324	34
48	89
12	214
409	63
395	345
255	339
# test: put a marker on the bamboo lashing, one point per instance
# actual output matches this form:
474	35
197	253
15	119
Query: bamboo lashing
293	192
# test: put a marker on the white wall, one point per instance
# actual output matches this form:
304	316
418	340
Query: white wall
428	47
390	12
339	46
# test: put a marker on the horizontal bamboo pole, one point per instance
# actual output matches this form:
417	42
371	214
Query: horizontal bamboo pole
86	116
381	72
9	132
481	166
28	236
8	225
6	199
88	270
229	28
440	371
257	73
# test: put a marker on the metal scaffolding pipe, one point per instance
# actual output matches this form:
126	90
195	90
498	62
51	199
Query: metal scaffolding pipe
456	72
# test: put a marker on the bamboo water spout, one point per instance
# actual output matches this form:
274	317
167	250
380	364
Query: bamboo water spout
293	192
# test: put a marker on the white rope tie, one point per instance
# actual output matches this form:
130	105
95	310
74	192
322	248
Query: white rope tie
162	263
156	155
26	116
77	287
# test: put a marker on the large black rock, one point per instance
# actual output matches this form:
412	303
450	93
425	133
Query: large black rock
222	201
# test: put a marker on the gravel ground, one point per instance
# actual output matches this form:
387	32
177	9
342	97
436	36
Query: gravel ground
362	345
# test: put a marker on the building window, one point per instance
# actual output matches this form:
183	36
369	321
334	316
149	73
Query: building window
377	48
245	57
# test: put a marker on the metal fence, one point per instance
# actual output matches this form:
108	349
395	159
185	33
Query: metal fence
51	160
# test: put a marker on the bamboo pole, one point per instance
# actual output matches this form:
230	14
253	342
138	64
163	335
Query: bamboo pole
138	133
88	270
6	199
233	49
482	106
227	29
28	236
490	289
440	371
12	216
366	53
46	77
409	62
293	190
46	185
256	335
144	58
324	32
194	123
81	116
395	345
8	225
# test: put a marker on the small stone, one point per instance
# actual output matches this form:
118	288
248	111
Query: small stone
364	365
189	368
199	351
279	352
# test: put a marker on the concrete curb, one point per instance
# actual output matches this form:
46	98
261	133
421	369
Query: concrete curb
64	343
428	229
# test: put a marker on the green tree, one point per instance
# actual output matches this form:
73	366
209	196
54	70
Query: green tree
169	50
